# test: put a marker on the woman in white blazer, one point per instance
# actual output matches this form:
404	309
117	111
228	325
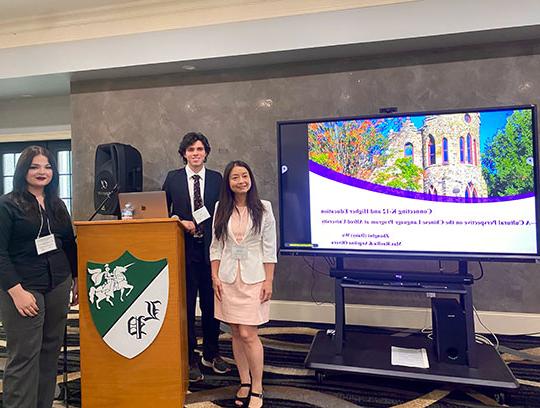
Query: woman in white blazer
243	257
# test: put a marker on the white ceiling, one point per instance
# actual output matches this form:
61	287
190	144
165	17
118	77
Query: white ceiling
35	86
46	69
45	66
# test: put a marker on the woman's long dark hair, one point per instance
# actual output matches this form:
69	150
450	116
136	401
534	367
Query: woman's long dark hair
22	196
226	202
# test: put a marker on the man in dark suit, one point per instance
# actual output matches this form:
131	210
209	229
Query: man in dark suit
192	193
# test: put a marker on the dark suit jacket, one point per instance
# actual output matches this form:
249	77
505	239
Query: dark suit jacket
179	203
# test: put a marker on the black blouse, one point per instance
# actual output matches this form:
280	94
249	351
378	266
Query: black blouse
19	261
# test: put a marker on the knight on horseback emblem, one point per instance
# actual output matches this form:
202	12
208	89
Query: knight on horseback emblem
107	282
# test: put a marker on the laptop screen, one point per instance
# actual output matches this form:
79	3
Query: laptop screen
146	204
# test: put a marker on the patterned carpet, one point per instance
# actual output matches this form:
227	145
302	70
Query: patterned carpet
289	384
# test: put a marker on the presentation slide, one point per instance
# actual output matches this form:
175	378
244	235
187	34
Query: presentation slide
460	182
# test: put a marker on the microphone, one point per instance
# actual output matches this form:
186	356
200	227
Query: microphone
107	198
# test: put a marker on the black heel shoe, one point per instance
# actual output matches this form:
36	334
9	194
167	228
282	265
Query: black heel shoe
257	395
242	401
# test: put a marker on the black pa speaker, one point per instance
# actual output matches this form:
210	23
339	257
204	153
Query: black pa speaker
449	331
117	167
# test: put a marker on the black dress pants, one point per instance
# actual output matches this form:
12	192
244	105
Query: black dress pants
33	346
199	280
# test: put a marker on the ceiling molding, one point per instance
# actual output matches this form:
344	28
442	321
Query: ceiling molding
360	30
156	15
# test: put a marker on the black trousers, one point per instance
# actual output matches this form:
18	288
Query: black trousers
199	280
33	346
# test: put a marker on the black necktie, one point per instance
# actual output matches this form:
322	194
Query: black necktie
197	200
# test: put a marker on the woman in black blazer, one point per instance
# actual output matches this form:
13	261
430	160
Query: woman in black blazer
38	263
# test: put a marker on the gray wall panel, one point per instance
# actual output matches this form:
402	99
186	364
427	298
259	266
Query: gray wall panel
238	111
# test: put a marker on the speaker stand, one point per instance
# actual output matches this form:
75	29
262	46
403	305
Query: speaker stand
105	200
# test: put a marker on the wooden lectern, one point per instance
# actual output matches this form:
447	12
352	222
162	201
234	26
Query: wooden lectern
158	375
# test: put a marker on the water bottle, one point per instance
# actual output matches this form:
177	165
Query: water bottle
127	212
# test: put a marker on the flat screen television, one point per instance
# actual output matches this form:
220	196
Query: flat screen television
458	184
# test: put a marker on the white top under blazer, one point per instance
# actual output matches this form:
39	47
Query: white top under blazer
261	249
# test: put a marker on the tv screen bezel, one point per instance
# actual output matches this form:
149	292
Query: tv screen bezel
395	254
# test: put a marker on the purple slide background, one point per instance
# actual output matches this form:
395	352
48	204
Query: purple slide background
351	181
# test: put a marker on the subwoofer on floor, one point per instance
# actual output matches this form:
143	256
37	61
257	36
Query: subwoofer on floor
118	169
449	331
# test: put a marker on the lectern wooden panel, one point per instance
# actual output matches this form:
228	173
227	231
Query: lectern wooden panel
156	375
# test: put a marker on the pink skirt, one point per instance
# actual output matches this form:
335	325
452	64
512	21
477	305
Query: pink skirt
241	304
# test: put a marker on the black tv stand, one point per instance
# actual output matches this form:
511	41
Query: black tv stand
346	351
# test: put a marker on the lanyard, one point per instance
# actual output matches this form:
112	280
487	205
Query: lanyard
41	225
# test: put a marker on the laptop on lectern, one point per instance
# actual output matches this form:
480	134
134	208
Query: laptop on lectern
146	204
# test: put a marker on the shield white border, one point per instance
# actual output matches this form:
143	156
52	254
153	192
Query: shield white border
118	337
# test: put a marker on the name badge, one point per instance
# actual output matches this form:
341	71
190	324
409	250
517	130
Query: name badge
201	215
45	244
239	252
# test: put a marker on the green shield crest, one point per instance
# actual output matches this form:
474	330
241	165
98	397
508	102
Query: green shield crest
128	300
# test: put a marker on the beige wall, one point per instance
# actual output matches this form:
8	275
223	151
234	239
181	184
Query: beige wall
27	119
